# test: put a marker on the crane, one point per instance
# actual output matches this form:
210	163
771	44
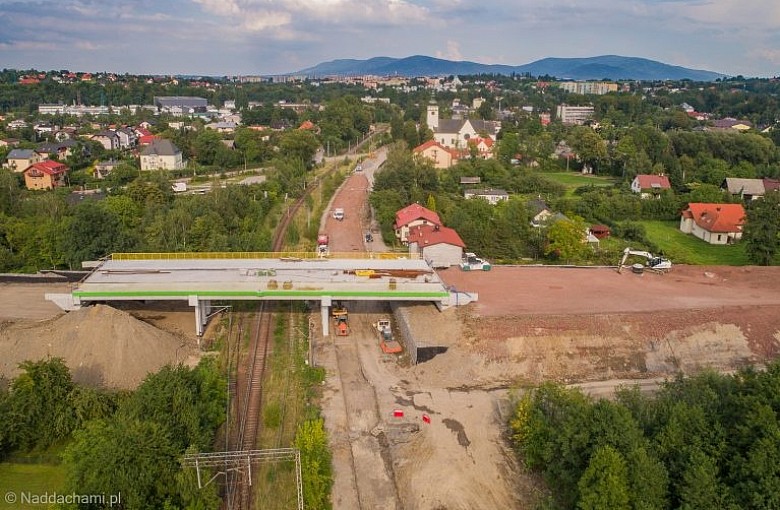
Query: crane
654	263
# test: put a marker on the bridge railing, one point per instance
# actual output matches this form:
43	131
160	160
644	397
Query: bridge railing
261	255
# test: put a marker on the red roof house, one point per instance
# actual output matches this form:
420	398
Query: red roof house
771	184
714	223
650	185
412	216
147	139
45	175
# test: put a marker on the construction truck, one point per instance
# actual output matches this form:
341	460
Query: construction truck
471	262
387	343
322	245
340	316
652	262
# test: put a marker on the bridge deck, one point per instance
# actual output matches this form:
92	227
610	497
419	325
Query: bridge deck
277	279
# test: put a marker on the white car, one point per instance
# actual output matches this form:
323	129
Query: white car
338	213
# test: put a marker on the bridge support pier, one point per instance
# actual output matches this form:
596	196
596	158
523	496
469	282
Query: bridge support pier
202	309
325	309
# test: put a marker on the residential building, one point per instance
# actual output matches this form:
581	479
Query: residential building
412	216
713	223
588	87
19	159
108	139
181	105
493	196
127	138
649	186
731	123
45	175
439	246
574	115
746	189
540	213
17	124
771	185
161	154
483	146
61	150
222	127
103	168
441	156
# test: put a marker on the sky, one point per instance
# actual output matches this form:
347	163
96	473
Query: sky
263	37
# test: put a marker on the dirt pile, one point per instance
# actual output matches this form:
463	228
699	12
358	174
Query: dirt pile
102	346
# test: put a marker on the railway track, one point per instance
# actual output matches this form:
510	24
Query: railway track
247	388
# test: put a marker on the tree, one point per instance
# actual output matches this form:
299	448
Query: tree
762	229
299	144
567	239
38	407
9	192
604	484
91	233
700	487
312	441
589	146
134	458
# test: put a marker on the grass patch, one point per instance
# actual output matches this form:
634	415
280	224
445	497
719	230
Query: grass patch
285	405
31	478
687	249
573	180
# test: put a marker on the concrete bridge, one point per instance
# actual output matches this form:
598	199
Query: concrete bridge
202	279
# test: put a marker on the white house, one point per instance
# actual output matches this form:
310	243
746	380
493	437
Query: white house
161	154
714	223
650	185
493	196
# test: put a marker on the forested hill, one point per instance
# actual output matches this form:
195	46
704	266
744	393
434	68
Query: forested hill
612	67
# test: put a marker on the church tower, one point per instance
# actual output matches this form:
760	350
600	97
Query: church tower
433	116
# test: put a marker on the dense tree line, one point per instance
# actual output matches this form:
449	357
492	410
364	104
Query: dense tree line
707	441
43	230
119	442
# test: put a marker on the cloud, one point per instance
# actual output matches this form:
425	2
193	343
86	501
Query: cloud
452	52
302	15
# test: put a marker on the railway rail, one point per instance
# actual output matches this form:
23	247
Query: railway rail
248	384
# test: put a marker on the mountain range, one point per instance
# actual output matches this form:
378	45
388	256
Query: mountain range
610	67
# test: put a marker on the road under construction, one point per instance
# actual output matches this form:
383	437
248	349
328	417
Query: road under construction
207	283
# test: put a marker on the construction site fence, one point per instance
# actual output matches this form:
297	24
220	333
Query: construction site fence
263	255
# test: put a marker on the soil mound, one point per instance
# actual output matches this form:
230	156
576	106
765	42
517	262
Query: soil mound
101	345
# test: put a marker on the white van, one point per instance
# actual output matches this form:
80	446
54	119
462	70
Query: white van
338	213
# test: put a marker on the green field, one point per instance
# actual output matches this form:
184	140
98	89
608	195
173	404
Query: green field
573	180
30	478
687	249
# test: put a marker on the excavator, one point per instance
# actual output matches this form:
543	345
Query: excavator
653	263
